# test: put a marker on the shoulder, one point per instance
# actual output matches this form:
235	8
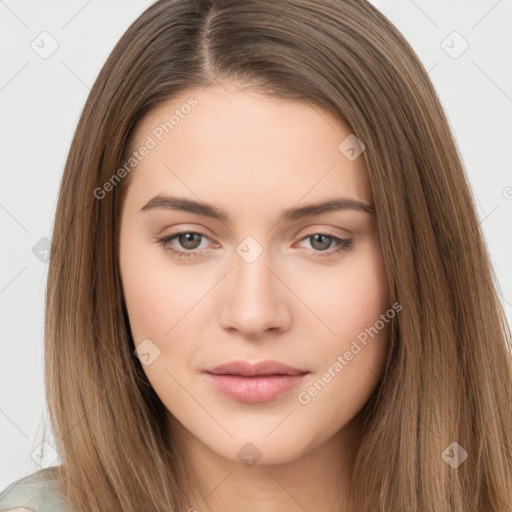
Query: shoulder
37	492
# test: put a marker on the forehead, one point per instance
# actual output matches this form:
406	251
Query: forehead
225	142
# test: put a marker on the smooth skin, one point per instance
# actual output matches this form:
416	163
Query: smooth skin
299	301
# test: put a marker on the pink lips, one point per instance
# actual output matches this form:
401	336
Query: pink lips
254	383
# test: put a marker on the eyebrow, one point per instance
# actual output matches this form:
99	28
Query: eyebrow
291	214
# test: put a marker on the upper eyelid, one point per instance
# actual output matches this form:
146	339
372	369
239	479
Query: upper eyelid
313	230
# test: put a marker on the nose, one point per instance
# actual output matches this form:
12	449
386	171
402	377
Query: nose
255	300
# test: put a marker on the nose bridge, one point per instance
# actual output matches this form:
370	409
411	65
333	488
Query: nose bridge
253	301
252	276
253	268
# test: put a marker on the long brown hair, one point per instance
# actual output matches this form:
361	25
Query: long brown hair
446	390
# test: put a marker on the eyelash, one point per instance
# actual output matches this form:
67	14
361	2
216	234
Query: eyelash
343	244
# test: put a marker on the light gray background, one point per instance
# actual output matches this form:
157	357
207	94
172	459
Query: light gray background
41	100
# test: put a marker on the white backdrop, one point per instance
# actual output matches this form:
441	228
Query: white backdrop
51	55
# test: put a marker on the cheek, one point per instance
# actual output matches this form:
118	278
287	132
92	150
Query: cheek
160	307
351	297
156	297
352	351
145	305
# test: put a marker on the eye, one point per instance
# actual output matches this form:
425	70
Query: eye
187	239
191	240
323	241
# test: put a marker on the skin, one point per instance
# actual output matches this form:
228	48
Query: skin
255	156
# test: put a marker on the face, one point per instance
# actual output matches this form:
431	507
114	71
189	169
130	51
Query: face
269	279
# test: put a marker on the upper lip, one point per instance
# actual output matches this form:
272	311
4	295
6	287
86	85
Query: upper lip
245	368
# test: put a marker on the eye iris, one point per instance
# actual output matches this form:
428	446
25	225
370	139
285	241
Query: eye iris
324	245
186	239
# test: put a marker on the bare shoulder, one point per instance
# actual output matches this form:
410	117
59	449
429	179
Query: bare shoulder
37	492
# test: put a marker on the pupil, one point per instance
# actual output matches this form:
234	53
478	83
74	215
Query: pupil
325	243
189	239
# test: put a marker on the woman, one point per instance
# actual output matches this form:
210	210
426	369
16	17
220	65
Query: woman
268	286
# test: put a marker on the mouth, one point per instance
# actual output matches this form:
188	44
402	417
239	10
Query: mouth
253	383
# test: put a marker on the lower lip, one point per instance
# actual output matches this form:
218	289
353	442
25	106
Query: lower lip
254	389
